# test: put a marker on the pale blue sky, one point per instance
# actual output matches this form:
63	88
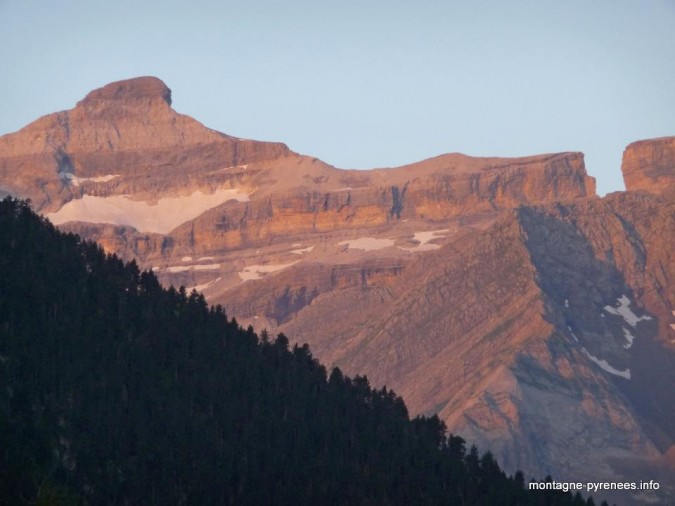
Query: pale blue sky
364	84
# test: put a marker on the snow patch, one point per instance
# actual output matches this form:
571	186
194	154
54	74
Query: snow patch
206	267
573	335
201	288
367	243
75	181
204	259
567	303
252	272
228	168
101	179
186	259
604	365
624	311
308	249
182	268
629	337
424	239
160	217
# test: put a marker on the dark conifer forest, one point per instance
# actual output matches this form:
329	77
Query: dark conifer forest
114	390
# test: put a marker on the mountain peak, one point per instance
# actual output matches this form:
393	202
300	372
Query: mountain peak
648	166
137	88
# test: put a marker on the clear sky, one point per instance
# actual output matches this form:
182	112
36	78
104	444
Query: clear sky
365	83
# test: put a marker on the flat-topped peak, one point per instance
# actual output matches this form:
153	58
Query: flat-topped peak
649	165
146	87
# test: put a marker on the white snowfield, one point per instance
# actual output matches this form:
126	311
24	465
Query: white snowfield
201	288
367	243
625	312
604	365
69	176
252	272
199	267
302	251
573	335
424	238
160	217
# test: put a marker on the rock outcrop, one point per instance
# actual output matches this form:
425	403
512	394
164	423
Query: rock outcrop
535	318
649	165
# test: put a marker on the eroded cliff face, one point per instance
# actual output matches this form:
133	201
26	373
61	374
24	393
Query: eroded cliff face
649	165
298	196
125	169
535	318
548	338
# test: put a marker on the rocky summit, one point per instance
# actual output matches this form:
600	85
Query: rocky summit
648	166
534	317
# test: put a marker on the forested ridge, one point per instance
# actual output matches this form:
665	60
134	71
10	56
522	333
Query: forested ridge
114	390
